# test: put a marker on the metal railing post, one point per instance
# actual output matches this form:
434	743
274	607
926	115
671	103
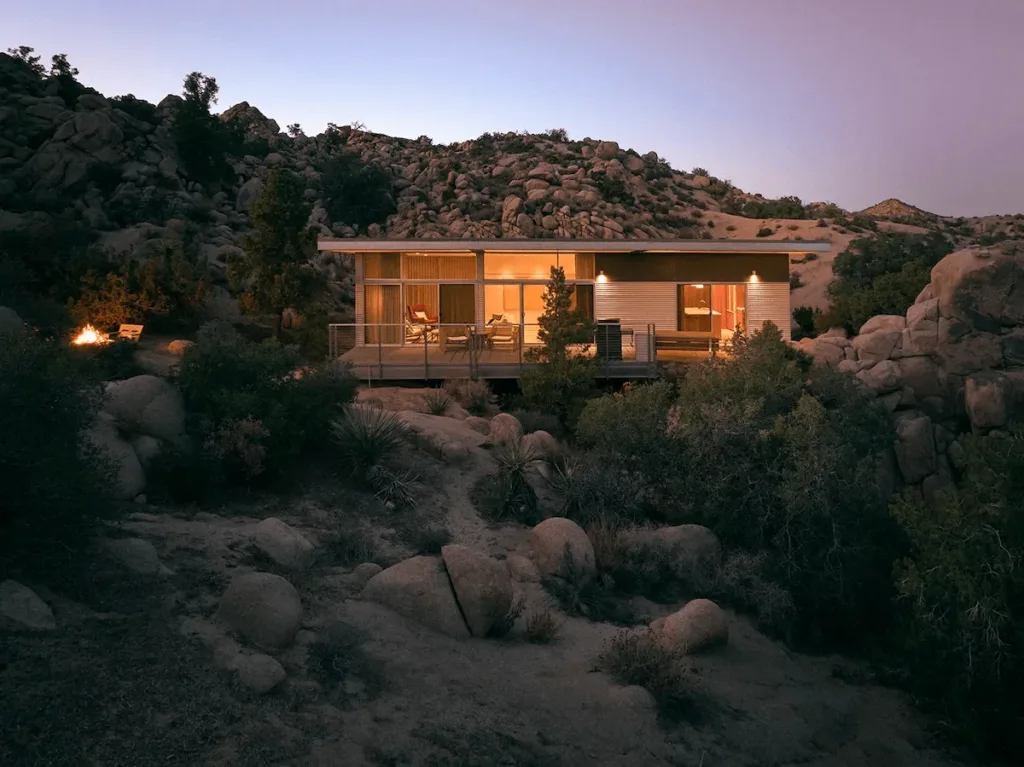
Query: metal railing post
380	354
426	364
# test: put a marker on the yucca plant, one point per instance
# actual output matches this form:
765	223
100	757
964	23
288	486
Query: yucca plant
517	498
438	401
569	480
368	436
395	487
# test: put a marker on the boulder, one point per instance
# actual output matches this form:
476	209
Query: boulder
915	448
264	608
883	322
146	448
137	555
607	150
505	428
419	589
10	322
281	543
22	608
922	375
147	404
476	423
481	584
987	397
248	194
983	288
882	378
542	444
877	345
259	672
556	537
699	626
130	478
522	569
361	574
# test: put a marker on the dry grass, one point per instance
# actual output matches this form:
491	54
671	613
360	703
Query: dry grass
508	614
339	662
542	627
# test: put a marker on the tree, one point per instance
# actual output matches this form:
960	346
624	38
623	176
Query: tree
202	139
68	88
60	67
354	193
276	270
564	378
295	131
24	53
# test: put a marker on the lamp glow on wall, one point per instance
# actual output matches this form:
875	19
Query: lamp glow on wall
754	277
602	277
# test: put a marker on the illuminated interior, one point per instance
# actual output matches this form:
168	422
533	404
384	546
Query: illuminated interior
715	310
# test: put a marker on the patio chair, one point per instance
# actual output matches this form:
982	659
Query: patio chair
505	337
415	333
418	313
458	340
128	333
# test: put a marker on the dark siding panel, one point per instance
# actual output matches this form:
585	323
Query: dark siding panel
693	267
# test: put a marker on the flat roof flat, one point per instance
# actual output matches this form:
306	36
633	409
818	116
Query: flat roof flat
366	245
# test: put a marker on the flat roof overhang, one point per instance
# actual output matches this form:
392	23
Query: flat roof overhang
362	245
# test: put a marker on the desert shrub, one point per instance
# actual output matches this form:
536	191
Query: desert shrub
963	594
881	275
533	420
471	393
394	486
140	109
806	318
225	379
337	658
775	457
57	485
238	445
784	207
542	627
740	582
764	231
637	657
578	594
507	612
351	545
355	193
203	140
730	228
516	498
611	189
426	539
438	401
367	437
794	281
561	135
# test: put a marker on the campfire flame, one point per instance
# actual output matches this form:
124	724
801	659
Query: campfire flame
89	335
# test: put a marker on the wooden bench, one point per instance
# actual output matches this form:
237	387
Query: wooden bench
679	340
128	333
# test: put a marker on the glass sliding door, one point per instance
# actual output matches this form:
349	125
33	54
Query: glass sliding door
383	314
730	302
695	312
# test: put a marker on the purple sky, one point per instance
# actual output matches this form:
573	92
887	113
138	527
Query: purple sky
851	101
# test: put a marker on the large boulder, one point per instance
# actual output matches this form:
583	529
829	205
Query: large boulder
883	322
283	544
259	672
542	444
419	589
699	626
877	345
137	555
147	404
482	587
264	608
505	428
130	478
882	378
558	540
22	608
987	400
10	322
983	288
915	448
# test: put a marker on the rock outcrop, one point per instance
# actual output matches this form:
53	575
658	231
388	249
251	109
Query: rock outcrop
264	608
955	360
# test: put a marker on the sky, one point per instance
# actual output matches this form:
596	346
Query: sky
848	101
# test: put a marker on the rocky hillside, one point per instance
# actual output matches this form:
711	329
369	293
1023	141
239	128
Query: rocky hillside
117	166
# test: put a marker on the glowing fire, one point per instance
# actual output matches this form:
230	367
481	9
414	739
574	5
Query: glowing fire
89	335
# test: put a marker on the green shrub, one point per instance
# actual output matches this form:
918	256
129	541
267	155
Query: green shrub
367	437
355	193
438	401
516	497
57	485
533	420
765	231
395	487
542	627
226	381
963	595
806	318
784	207
471	393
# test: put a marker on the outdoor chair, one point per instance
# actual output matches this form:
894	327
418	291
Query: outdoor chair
459	339
128	333
505	337
416	333
417	313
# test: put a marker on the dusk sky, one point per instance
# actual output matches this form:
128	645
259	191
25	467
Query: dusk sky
848	101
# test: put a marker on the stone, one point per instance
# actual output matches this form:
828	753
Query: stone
522	569
556	537
21	607
248	194
969	353
146	448
476	423
922	375
882	378
883	322
137	555
482	587
179	346
259	672
264	608
10	322
699	626
419	589
878	345
915	448
983	288
542	444
607	150
986	398
504	428
130	478
282	543
361	574
923	311
147	404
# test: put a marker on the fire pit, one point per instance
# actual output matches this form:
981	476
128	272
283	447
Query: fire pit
90	336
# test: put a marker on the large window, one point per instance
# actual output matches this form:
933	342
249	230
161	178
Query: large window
439	267
527	266
382	308
714	310
517	302
382	266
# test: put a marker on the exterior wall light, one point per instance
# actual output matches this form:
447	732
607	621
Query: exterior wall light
602	277
754	277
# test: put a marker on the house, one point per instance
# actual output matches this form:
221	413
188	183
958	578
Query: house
431	309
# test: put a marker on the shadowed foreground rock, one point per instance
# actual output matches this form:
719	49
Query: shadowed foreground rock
264	608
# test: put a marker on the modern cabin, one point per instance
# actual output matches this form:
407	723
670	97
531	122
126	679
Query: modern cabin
432	309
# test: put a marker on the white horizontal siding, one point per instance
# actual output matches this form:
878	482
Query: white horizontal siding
638	304
768	301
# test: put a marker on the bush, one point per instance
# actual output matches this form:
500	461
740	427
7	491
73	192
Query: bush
337	658
543	627
367	437
354	193
533	420
471	393
963	595
806	319
784	207
516	498
438	401
56	484
226	381
764	231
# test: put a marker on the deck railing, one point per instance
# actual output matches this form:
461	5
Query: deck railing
455	350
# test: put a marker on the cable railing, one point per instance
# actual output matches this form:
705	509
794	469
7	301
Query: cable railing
438	350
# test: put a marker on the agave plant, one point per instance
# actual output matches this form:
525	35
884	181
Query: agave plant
517	497
438	401
395	487
366	437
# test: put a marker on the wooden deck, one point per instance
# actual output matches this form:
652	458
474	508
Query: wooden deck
407	363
